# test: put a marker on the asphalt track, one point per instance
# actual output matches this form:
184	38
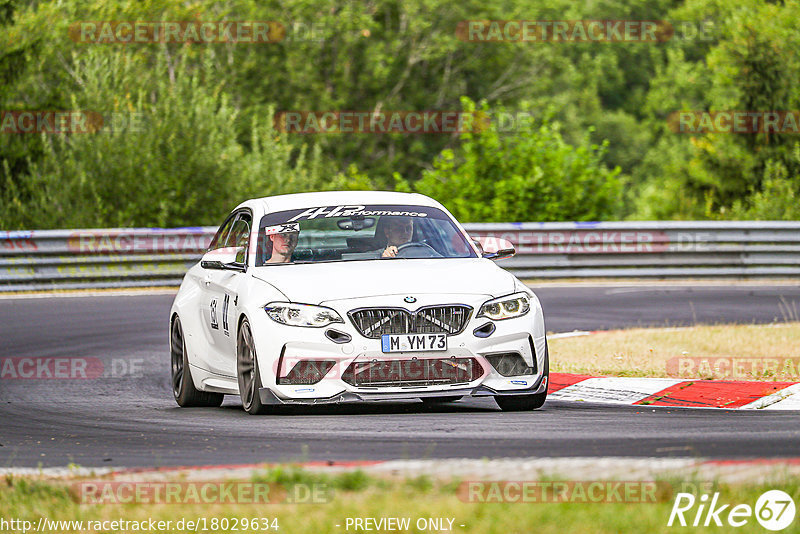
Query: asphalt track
131	420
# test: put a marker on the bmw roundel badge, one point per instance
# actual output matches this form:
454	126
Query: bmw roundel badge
410	300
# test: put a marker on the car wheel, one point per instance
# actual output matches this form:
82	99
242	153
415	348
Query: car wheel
441	400
520	403
186	395
247	371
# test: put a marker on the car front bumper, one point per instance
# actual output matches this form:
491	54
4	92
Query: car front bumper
282	347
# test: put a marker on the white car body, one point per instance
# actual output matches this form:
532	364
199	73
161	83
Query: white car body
212	304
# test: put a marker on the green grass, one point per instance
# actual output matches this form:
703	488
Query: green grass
355	480
356	494
761	351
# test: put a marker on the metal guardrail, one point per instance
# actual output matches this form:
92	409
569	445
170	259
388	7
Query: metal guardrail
109	258
76	259
650	249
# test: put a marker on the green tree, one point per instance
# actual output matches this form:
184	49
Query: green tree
748	65
531	175
779	195
167	155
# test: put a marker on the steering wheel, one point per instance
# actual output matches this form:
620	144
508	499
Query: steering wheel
416	249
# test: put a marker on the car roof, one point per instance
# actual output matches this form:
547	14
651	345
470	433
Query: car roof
336	198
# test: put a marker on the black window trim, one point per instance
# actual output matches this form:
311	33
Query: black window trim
239	213
232	217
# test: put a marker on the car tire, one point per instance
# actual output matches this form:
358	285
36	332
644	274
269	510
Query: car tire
522	403
186	395
247	372
441	400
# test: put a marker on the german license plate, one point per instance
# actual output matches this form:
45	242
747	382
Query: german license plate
413	342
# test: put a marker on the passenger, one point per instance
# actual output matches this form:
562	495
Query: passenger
283	245
399	231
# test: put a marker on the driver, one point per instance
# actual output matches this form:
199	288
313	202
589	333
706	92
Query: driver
283	245
399	231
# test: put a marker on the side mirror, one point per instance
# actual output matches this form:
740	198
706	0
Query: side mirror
225	259
494	248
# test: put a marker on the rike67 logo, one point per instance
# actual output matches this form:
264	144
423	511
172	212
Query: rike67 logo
774	510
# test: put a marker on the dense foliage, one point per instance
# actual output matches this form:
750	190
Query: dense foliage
599	147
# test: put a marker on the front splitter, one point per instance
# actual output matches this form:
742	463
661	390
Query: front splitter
268	397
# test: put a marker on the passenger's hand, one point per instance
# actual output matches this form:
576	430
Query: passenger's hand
390	252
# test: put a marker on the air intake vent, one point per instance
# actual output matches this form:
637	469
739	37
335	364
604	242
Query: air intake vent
416	372
511	364
307	372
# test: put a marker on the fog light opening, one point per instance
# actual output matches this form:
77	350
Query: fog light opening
338	337
484	331
307	372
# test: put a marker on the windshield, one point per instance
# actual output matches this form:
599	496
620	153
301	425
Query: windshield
350	233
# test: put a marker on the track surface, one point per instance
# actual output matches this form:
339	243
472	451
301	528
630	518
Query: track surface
133	421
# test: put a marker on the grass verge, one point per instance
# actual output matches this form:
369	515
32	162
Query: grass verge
738	352
358	495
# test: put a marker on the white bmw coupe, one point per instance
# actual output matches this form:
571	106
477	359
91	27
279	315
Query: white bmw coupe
354	296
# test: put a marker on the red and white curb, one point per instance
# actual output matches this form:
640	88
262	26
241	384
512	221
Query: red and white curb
675	392
671	392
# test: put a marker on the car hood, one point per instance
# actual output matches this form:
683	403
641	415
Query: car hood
320	282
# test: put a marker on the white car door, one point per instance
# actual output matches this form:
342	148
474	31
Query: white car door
222	296
205	278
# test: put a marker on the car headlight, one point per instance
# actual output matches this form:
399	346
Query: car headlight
507	307
292	314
